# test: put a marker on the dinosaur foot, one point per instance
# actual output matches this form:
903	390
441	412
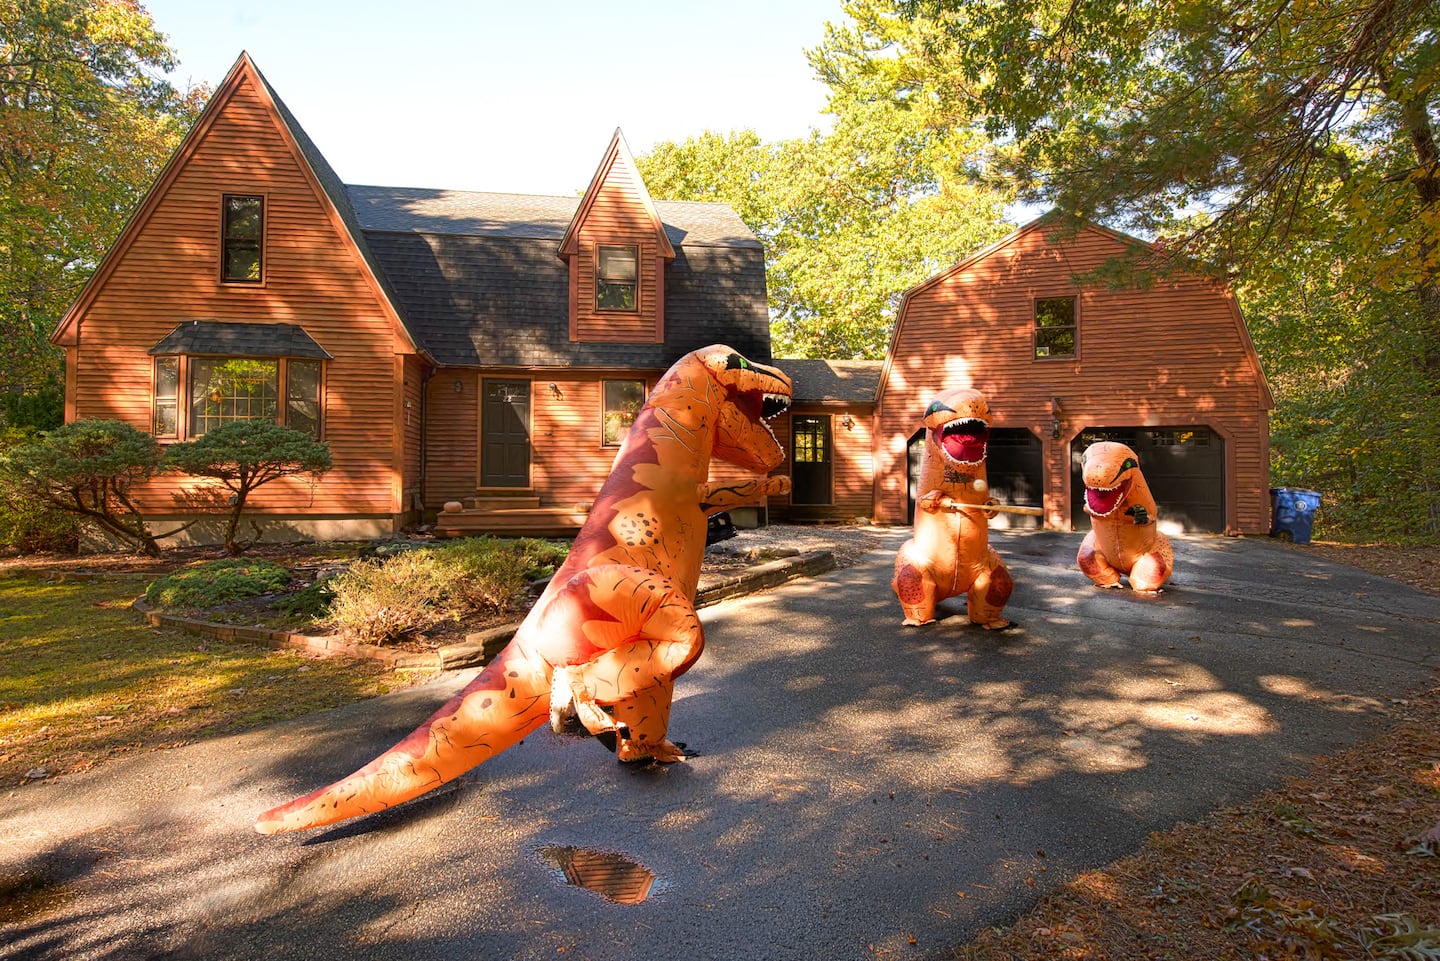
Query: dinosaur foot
665	752
999	624
611	739
912	622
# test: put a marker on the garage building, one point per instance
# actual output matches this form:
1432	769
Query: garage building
1162	362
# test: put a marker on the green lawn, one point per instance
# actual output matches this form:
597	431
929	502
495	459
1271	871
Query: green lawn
83	678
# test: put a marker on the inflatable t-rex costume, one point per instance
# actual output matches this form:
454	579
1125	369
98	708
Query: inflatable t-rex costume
617	624
950	551
1120	541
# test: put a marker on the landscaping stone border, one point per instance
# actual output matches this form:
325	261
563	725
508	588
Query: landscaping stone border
478	648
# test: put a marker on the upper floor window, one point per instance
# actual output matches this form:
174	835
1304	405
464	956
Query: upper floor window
242	239
1055	327
224	390
623	400
617	274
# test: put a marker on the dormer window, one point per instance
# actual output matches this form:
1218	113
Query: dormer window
242	240
616	277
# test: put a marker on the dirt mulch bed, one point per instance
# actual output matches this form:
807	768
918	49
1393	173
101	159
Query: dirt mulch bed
1417	566
1341	864
749	547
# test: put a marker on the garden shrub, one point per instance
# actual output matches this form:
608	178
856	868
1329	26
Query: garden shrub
382	599
379	600
311	602
29	525
217	582
88	467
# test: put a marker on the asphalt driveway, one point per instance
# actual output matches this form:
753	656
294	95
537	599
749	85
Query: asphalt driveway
862	789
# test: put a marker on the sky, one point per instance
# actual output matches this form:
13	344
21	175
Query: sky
517	96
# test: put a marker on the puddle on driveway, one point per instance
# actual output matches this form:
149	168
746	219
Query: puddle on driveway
610	875
30	896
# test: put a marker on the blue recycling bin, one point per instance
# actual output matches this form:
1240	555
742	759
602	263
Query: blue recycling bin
1292	512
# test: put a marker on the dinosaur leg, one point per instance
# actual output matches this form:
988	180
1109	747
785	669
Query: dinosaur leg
505	702
914	588
642	633
1095	565
988	594
1153	569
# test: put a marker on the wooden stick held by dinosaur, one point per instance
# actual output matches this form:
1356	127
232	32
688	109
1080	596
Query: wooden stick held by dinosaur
617	623
1124	535
950	551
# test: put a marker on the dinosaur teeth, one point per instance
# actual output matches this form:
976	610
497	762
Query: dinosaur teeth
773	405
1104	501
964	440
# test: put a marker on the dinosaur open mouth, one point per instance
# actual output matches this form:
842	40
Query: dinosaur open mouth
773	406
761	406
964	440
1102	501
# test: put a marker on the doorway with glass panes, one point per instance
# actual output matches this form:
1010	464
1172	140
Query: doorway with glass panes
811	473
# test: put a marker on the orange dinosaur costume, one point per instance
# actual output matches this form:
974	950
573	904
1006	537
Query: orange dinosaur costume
617	623
950	551
1121	541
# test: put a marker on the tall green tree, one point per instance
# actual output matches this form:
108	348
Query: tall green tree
1220	125
850	217
86	123
1292	145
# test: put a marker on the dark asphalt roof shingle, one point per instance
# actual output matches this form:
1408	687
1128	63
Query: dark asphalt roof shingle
847	381
529	216
504	301
237	339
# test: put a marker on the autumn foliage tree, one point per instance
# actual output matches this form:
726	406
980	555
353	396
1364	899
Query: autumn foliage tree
1290	146
86	123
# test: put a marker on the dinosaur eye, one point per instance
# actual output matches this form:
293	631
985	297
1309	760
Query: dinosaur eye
1130	463
936	408
736	362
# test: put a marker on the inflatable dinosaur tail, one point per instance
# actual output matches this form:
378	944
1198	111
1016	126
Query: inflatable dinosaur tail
505	702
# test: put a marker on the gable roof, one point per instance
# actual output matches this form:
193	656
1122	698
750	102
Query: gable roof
321	176
1056	218
473	279
617	154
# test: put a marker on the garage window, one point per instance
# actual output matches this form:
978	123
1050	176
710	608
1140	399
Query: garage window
1055	327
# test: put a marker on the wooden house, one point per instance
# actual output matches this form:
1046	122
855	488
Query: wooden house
828	435
1065	359
476	349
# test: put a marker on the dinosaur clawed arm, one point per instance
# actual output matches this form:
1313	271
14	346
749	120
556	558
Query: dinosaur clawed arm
938	502
716	496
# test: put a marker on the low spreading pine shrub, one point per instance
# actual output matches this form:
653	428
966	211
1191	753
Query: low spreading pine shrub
215	583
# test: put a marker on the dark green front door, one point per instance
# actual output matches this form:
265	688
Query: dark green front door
505	433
